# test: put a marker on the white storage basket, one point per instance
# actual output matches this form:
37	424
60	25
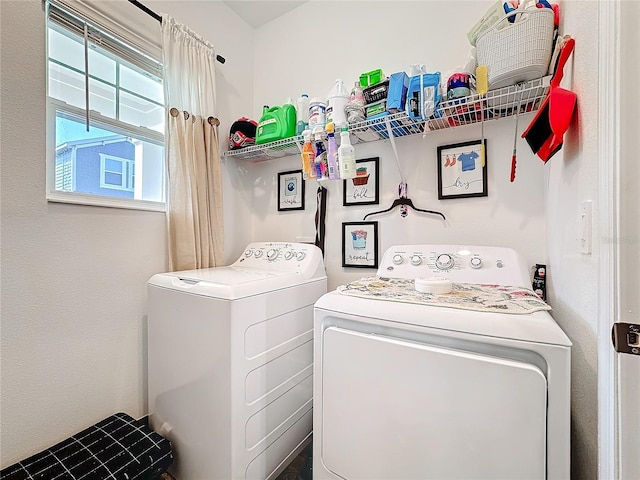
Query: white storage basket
519	51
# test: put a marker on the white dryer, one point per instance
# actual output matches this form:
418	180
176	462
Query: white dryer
230	354
413	391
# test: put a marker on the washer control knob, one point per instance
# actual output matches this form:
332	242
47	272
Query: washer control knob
258	254
288	255
416	260
397	259
499	264
475	262
444	261
300	256
272	254
248	253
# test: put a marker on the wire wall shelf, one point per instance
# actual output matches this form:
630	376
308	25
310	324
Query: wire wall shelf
521	98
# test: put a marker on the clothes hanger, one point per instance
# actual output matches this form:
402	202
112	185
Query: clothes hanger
403	201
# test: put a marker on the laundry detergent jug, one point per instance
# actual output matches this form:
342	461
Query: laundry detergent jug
276	123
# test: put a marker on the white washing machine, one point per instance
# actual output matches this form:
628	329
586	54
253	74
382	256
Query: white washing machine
413	391
230	361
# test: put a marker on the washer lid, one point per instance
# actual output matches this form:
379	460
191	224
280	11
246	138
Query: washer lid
228	282
538	327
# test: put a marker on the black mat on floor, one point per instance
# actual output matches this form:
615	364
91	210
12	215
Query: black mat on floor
118	447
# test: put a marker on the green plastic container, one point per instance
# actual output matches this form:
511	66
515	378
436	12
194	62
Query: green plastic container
276	123
371	78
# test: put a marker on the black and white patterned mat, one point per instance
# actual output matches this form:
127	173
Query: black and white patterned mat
117	448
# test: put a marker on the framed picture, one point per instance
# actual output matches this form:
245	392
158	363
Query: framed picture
364	188
360	244
461	172
290	191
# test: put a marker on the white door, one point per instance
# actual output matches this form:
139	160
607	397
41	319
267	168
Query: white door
394	409
628	378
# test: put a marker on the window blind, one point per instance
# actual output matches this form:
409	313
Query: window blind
74	20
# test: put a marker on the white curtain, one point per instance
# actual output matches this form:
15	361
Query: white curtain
195	218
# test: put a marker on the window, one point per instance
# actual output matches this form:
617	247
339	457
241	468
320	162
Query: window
116	172
115	155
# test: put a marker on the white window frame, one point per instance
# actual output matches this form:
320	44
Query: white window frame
128	169
96	120
99	121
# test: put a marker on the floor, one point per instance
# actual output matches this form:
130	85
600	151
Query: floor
301	466
298	469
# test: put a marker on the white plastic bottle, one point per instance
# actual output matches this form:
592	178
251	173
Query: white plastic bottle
332	153
346	156
336	101
302	113
317	114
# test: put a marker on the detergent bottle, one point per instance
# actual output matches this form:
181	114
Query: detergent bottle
317	113
346	156
332	153
276	123
336	101
308	157
302	113
322	172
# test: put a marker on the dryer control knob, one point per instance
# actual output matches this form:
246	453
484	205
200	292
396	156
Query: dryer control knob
258	254
272	254
475	262
416	260
248	253
444	261
300	256
288	255
397	259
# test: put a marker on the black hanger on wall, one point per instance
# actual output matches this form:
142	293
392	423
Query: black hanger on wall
404	201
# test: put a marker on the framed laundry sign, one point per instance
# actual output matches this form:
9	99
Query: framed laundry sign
364	188
290	190
360	244
461	170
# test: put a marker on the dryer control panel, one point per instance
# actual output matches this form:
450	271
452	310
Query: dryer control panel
458	263
281	256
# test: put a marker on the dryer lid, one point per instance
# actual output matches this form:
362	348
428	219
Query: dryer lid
227	282
538	327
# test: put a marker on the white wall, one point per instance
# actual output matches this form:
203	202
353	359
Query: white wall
573	276
307	49
74	277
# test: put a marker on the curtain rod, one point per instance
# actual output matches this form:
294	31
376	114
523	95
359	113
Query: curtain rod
153	14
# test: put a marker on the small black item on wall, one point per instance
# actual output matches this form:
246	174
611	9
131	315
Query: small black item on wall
360	244
461	170
364	188
290	191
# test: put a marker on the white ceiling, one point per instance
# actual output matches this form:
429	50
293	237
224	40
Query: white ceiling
258	12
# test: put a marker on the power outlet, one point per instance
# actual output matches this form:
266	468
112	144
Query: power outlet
626	338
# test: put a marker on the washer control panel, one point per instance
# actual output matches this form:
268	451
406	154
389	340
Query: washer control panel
458	263
280	256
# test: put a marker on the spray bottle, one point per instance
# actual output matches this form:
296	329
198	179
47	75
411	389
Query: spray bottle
346	155
332	153
321	155
308	157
